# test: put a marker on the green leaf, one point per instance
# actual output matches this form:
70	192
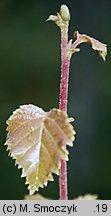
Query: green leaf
36	140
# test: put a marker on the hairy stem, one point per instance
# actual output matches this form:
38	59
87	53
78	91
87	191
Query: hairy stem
67	49
65	62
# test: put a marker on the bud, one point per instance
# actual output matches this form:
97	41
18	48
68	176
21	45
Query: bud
64	12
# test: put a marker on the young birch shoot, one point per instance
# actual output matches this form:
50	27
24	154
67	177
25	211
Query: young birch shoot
37	139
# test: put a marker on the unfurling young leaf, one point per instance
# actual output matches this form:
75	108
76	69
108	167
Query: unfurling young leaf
96	45
36	140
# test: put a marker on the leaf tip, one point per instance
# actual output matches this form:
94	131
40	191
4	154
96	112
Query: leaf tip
52	18
103	53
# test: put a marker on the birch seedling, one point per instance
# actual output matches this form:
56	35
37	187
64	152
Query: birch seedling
37	139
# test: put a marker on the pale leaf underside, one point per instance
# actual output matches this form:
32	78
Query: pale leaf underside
87	197
81	197
36	140
35	197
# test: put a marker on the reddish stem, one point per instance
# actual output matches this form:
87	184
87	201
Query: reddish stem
65	60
